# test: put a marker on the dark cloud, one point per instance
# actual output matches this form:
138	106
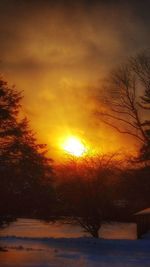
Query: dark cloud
64	34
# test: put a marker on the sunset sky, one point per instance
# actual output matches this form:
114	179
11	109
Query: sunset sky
58	53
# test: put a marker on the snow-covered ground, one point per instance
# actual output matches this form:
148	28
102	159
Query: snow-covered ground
73	252
40	251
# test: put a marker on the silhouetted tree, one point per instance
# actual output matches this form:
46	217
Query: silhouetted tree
25	171
129	88
87	195
9	109
141	66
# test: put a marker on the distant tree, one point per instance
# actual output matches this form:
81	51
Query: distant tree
126	96
88	195
25	171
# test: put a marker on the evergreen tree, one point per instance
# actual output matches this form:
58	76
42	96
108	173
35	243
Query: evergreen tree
25	171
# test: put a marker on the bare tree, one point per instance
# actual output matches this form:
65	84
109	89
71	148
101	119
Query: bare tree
87	195
125	96
141	66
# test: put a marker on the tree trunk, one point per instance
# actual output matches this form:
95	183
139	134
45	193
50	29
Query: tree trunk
95	234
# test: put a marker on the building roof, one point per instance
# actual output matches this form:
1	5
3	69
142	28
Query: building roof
143	212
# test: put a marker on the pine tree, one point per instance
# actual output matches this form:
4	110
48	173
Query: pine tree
25	171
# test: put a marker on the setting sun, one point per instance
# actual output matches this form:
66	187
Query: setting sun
74	146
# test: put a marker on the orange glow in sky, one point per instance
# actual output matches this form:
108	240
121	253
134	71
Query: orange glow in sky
60	68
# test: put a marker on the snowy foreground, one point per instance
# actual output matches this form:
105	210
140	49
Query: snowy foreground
73	252
34	243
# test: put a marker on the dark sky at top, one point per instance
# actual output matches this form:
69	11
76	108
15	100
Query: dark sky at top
129	19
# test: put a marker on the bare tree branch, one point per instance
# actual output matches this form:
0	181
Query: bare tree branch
119	119
122	131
